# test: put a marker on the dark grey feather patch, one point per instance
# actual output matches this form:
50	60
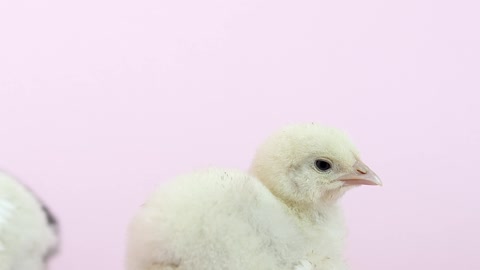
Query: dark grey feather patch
51	219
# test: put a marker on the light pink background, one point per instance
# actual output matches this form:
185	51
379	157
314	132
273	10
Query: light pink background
101	100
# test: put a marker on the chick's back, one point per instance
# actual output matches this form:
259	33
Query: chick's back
226	217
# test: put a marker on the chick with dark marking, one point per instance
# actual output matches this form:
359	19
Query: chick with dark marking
28	230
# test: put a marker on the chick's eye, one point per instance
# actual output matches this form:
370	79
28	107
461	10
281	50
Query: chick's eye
322	165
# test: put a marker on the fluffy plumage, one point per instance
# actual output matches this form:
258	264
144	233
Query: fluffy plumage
283	215
27	229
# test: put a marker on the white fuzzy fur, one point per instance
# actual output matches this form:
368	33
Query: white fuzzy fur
25	237
283	215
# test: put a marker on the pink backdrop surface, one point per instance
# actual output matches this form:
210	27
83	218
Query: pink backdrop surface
102	100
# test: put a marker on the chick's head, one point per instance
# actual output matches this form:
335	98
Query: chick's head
310	164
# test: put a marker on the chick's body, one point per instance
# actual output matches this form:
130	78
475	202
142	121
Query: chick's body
220	219
27	231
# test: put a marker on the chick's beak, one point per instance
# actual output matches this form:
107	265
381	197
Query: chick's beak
361	175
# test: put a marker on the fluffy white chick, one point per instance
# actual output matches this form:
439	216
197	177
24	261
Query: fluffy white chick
28	231
283	215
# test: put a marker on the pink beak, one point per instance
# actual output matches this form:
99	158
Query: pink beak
362	175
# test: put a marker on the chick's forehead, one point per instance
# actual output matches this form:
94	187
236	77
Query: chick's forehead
315	141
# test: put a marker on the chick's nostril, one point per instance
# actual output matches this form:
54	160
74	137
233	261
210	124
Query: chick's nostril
362	170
